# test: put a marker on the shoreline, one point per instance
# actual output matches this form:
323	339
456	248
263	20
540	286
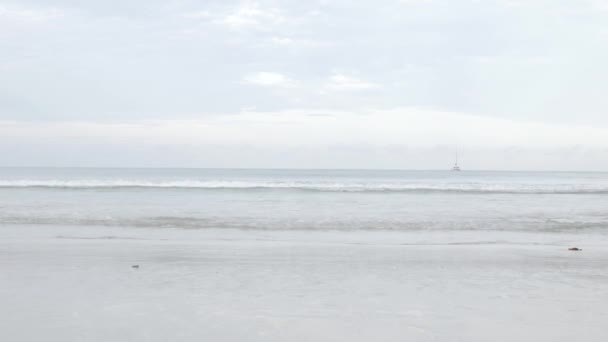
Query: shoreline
362	236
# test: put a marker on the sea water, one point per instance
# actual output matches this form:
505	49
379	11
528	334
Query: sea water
344	200
302	255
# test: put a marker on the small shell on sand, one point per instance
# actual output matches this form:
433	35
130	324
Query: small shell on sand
574	249
135	266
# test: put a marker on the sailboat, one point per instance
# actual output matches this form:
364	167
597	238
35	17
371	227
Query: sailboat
456	167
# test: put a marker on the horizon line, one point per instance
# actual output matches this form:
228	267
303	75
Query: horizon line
288	168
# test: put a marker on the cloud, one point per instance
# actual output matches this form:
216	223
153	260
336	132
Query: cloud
413	127
198	15
282	40
343	82
268	79
601	5
28	14
416	138
153	59
251	15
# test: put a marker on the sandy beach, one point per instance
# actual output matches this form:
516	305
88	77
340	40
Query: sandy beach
78	284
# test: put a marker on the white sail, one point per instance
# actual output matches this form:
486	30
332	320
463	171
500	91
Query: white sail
456	167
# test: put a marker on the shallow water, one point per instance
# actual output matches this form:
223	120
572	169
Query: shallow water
68	283
319	255
306	199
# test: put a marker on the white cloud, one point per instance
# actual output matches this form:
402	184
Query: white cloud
413	127
299	42
28	14
268	79
343	82
281	40
414	2
398	138
601	5
198	15
252	15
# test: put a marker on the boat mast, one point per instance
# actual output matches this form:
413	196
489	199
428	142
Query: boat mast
456	167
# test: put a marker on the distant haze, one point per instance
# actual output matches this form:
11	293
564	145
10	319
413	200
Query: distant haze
510	84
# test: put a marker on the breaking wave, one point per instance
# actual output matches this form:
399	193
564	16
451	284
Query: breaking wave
359	187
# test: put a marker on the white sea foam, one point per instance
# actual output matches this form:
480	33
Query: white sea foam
275	200
303	185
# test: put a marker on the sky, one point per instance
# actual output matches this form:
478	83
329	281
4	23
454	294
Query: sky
510	84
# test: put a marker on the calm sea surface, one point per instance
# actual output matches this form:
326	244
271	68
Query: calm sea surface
305	199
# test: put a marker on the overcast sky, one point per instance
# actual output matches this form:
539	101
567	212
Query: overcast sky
513	84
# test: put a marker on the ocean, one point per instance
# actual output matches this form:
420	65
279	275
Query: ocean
344	200
302	255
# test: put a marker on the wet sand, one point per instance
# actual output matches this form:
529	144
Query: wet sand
78	284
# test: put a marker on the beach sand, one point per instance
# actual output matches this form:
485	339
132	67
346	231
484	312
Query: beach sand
78	284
